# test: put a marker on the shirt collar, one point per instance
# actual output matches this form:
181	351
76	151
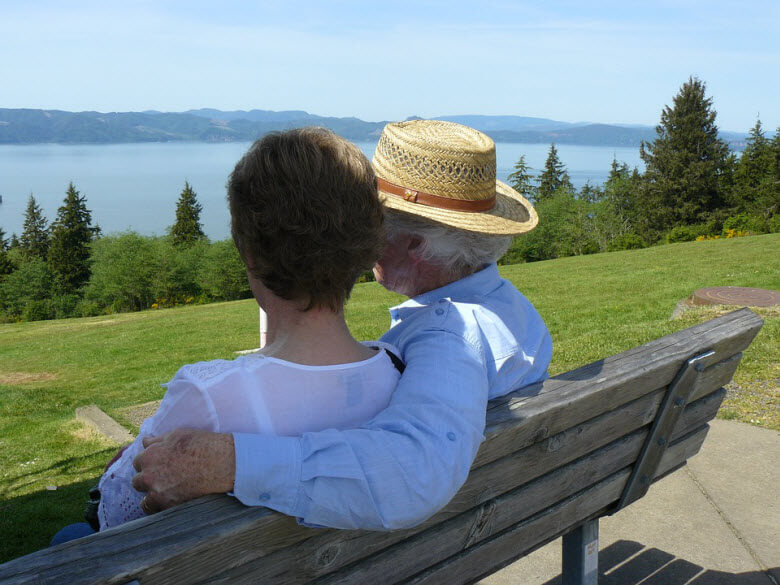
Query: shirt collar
483	281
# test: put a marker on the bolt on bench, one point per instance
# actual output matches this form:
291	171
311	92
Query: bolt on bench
558	456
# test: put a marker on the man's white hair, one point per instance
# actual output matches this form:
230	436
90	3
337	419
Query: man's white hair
456	251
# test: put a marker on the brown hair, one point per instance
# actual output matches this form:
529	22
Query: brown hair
305	215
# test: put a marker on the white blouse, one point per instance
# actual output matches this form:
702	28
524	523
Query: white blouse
252	394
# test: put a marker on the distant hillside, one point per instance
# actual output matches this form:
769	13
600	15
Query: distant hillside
27	126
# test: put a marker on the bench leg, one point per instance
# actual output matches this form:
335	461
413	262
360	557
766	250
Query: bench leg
581	555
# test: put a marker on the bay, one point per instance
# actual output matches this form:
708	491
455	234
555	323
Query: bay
136	186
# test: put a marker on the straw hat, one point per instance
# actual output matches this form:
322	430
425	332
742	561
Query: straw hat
446	172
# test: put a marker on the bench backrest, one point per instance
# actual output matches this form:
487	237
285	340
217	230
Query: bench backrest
556	454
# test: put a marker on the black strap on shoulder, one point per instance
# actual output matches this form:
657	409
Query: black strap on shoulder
399	365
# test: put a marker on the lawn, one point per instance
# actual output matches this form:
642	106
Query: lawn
595	306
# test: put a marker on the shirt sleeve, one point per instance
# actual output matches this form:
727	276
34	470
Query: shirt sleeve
185	404
393	472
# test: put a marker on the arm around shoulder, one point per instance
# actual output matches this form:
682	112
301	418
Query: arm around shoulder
395	471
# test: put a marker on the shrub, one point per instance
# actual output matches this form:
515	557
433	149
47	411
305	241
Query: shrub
745	223
683	233
64	305
222	274
627	241
38	310
32	281
123	269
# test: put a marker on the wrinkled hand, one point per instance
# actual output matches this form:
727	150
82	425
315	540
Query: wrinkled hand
183	465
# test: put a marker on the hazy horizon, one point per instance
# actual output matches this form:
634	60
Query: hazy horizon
606	61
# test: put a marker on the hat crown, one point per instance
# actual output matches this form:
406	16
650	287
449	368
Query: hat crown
437	157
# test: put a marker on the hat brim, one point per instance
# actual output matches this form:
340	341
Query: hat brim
512	214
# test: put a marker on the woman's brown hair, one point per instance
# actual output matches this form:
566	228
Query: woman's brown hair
305	215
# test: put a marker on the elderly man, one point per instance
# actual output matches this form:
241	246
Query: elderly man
465	334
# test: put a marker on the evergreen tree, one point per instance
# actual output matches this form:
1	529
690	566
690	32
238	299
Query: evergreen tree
756	186
6	266
187	229
618	170
14	242
71	235
520	179
591	194
687	164
34	242
553	177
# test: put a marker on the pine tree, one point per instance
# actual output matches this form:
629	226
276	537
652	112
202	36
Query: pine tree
756	162
756	180
553	177
520	179
71	235
34	242
687	165
187	229
6	266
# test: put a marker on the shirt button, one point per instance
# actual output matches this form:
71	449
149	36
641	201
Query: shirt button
439	311
451	436
265	497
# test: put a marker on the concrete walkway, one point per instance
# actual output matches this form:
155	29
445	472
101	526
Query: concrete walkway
714	522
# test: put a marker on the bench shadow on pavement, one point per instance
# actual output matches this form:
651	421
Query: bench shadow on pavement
630	563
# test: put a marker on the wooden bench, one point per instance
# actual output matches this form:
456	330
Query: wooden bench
558	455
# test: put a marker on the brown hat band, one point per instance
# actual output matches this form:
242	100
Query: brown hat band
431	200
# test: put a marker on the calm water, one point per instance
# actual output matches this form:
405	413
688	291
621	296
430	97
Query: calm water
135	186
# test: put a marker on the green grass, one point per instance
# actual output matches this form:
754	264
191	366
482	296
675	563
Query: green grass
595	306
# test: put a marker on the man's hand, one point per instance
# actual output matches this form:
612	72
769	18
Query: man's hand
183	465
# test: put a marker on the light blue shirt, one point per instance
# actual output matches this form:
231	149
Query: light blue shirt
474	339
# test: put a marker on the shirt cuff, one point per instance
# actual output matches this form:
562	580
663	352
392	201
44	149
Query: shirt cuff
268	471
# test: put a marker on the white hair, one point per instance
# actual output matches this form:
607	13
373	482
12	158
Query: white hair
456	251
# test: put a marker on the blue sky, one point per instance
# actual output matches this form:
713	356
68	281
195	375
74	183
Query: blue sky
574	61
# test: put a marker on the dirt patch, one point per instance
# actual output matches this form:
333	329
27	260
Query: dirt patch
84	432
12	378
139	413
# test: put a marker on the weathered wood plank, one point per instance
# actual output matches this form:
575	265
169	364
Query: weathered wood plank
533	496
478	561
608	383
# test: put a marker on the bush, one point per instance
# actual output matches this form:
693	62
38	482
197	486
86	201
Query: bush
222	274
123	268
87	308
65	305
32	281
38	310
746	223
683	233
628	241
773	225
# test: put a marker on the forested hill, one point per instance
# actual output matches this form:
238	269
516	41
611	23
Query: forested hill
28	126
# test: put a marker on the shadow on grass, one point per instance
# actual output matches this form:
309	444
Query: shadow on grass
28	522
630	563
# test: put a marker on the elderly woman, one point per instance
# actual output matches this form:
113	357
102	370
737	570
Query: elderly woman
307	221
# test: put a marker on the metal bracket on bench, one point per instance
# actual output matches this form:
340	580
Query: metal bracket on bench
668	414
